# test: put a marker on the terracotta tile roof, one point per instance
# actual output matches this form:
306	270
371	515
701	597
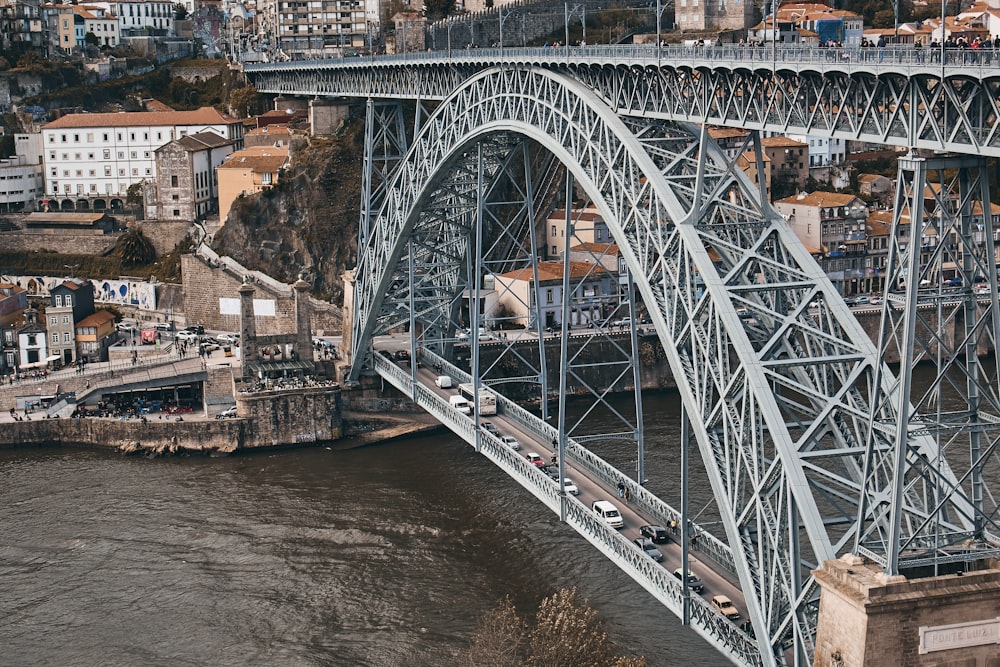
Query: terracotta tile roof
259	159
597	248
202	116
269	130
98	318
586	215
157	105
819	199
553	271
867	178
727	133
778	142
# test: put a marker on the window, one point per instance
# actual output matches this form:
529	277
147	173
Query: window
135	172
107	170
177	213
548	296
105	136
58	300
553	230
53	320
55	337
121	155
134	155
66	337
52	155
65	319
175	197
69	301
173	181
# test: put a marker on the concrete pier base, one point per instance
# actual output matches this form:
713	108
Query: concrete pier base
867	619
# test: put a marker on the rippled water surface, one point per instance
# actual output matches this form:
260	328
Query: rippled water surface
383	555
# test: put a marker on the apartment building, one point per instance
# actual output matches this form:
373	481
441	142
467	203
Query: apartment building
594	294
833	224
21	24
248	172
307	29
72	301
69	26
92	159
140	15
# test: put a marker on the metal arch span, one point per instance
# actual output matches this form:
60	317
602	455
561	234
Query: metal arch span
778	400
911	102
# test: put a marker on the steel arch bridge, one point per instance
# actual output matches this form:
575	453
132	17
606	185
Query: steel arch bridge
811	444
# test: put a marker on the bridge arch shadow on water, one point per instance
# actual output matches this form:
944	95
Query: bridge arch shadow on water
776	376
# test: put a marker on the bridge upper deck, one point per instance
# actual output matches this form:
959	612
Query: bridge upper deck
944	100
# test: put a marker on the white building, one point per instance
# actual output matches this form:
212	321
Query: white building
138	14
91	160
21	184
594	294
823	151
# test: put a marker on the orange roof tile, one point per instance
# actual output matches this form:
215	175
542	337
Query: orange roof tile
551	271
202	116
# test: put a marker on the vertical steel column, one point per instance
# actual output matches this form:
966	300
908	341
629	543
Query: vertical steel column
385	144
536	290
476	277
683	527
564	338
640	470
411	302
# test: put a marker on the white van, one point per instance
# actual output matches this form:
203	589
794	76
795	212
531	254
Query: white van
607	511
443	381
460	404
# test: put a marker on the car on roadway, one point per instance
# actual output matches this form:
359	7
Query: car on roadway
535	459
655	533
569	486
623	322
187	336
490	428
649	548
726	606
694	583
196	328
511	442
228	339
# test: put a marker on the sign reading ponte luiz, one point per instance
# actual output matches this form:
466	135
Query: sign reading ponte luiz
959	635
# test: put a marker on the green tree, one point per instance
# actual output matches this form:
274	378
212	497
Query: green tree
91	39
133	198
136	249
180	12
438	9
244	101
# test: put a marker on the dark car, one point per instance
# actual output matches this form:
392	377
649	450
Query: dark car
647	545
195	329
657	534
490	428
694	583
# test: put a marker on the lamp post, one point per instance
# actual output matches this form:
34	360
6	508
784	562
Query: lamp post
568	13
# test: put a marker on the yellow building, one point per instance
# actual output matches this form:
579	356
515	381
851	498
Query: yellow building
94	334
248	172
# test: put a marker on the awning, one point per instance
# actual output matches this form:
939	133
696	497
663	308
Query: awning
53	357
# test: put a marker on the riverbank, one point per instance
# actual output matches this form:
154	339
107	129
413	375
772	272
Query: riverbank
195	434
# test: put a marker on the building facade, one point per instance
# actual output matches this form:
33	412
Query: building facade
94	335
594	293
71	301
21	184
91	160
248	172
306	29
835	225
186	179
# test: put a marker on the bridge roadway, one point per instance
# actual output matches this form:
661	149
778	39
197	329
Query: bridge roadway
596	482
848	93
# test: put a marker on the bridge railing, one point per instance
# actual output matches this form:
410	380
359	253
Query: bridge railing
733	54
652	576
700	539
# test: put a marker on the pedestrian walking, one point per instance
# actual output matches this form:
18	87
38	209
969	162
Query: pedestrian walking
628	494
621	489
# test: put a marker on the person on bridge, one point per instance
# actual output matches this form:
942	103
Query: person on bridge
621	489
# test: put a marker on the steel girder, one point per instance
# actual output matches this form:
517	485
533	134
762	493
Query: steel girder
951	108
778	400
933	508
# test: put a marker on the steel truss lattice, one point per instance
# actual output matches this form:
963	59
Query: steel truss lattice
778	395
925	500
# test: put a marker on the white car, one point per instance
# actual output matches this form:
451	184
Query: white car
187	336
570	487
228	339
511	442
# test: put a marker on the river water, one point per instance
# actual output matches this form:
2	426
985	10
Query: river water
381	555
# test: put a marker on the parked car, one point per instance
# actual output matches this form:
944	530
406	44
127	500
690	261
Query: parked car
164	326
657	534
694	583
228	412
195	328
511	442
647	546
726	606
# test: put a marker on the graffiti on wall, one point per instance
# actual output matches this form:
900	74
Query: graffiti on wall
136	293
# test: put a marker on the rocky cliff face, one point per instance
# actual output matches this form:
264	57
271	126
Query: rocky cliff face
309	221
